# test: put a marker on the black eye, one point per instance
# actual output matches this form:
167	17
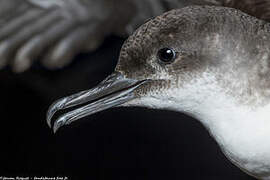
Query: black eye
166	55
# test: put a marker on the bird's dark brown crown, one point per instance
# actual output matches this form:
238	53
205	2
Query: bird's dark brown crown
186	22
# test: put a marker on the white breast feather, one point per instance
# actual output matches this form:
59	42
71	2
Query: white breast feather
242	132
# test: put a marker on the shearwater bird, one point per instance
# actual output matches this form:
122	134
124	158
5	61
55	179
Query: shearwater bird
54	31
206	61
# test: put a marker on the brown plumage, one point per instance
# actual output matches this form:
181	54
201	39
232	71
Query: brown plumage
257	8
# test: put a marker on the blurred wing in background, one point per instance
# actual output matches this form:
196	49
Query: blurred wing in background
53	31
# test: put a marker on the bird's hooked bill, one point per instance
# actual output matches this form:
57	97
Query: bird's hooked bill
113	91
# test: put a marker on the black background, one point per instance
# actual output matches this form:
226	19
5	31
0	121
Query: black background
121	143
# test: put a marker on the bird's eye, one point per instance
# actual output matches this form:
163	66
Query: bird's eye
166	55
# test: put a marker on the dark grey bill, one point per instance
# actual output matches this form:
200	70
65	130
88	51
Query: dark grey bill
113	91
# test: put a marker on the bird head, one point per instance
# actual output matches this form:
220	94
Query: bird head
171	62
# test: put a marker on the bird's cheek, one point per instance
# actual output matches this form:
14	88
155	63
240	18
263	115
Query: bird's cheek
152	88
143	90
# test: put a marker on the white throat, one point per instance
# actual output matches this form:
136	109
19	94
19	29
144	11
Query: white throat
242	131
